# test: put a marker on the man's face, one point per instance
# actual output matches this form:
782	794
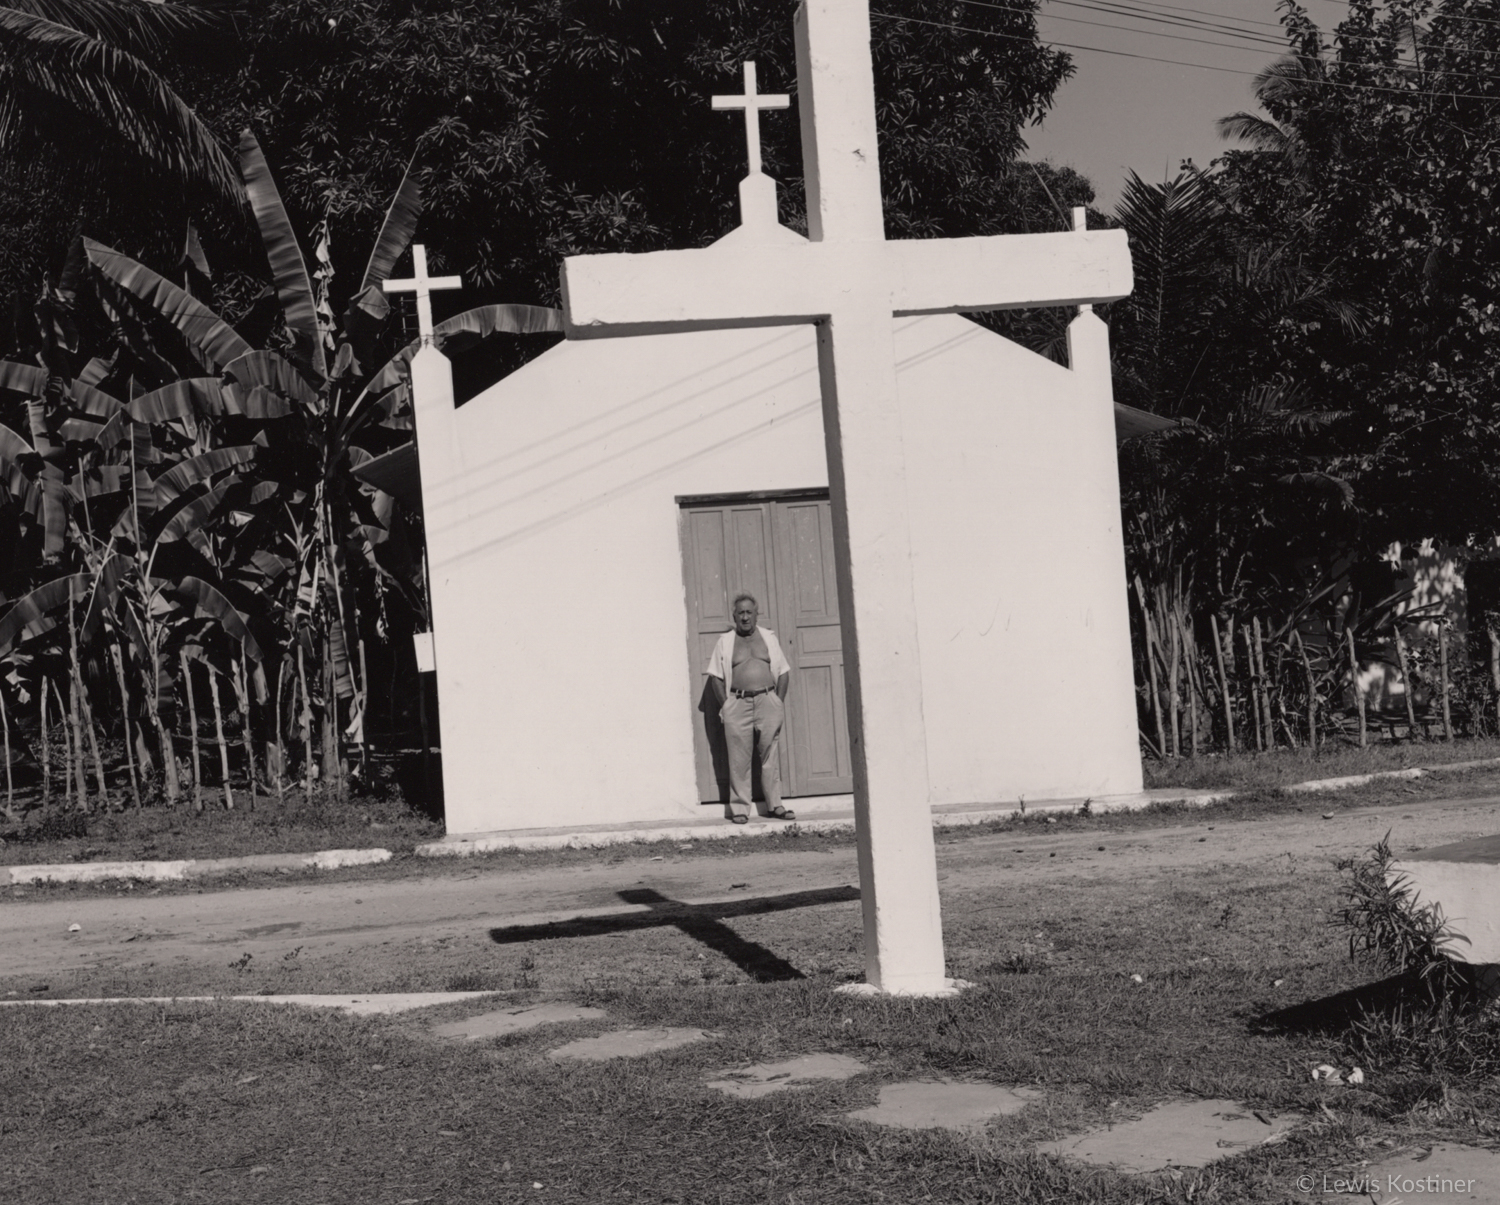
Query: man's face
745	615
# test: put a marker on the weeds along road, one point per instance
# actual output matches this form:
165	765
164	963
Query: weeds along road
457	903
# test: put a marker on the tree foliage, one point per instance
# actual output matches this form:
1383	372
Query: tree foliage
547	127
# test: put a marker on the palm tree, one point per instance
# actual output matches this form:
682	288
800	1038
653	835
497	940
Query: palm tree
81	82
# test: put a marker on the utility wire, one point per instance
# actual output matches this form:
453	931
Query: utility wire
1279	45
1151	58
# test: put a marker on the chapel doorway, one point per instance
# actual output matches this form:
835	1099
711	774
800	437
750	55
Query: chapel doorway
779	547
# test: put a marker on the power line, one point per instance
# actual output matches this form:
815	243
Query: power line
1151	58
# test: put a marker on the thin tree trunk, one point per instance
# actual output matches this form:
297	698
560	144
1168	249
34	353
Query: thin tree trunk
1190	660
163	737
364	715
46	747
1312	692
1151	646
306	717
1176	647
1223	682
10	786
213	691
69	798
1443	672
1407	684
1359	694
328	727
135	782
1255	711
187	679
242	690
88	723
75	686
1265	683
283	679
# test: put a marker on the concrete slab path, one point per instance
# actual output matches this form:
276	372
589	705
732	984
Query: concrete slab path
1446	1174
1186	1133
761	1079
944	1104
629	1044
515	1020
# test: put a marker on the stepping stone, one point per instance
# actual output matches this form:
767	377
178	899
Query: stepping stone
1185	1133
944	1104
1447	1175
764	1078
513	1020
628	1044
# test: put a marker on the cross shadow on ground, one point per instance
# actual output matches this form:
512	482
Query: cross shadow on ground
701	922
1334	1014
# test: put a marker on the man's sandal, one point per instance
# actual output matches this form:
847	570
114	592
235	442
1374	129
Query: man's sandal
739	819
781	813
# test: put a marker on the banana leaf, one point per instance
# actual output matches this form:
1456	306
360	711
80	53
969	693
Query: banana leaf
275	373
28	617
212	340
21	488
198	470
210	604
396	231
13	447
256	402
195	514
288	268
181	399
104	592
93	401
467	329
142	453
338	649
25	379
98	481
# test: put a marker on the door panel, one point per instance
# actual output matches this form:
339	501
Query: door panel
782	552
818	725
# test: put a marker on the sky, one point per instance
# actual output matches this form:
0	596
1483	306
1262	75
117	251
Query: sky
1119	113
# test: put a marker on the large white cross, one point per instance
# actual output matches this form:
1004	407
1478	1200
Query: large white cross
752	102
423	286
851	283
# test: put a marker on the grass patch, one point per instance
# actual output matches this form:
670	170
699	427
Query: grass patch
1282	768
256	1103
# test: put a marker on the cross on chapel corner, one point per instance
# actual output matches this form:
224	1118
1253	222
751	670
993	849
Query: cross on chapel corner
758	209
423	286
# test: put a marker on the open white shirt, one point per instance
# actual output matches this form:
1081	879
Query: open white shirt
721	663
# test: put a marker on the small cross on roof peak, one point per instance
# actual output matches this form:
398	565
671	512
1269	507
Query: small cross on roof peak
752	102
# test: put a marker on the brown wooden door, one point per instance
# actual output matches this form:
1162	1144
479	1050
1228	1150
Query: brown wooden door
781	551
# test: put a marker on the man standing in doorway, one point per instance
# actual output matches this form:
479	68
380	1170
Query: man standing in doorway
750	675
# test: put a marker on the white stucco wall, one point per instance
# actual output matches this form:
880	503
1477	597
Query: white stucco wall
559	608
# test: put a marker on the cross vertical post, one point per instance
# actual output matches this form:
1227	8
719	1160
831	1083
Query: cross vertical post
423	286
850	283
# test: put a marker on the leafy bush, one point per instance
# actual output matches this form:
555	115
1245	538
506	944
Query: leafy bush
1441	1018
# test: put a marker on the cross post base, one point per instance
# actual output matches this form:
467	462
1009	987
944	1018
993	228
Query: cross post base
941	989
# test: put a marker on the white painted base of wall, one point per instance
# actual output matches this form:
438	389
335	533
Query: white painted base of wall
1468	892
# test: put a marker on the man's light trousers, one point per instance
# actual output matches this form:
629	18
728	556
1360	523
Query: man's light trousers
745	720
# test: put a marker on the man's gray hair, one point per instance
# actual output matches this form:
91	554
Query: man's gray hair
743	596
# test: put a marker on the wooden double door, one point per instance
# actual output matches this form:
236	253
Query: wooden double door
780	549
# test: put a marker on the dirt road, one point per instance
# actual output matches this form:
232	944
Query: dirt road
125	937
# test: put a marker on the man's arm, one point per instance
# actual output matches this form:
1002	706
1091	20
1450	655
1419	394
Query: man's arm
717	683
781	685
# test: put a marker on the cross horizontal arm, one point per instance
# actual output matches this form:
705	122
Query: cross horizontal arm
1008	271
782	284
430	283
